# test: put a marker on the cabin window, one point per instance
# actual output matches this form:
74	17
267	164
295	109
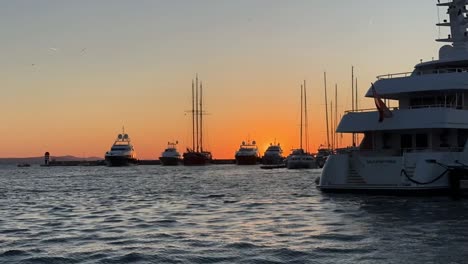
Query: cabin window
443	137
406	141
386	138
462	137
421	141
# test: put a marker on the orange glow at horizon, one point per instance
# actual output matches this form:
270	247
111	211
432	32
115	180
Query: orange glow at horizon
139	61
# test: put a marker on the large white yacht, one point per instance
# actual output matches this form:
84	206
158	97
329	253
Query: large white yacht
122	152
247	153
170	156
421	145
273	155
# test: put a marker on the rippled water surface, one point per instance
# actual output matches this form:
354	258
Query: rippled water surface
215	214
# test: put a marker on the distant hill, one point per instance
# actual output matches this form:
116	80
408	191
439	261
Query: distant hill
40	160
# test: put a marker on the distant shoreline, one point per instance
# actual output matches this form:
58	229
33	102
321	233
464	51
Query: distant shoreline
90	161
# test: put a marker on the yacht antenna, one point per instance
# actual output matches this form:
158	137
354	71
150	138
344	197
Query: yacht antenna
326	108
458	28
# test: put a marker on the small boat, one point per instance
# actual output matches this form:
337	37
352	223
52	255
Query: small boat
122	152
247	153
273	155
22	165
170	156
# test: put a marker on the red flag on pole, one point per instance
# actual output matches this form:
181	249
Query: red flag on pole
384	112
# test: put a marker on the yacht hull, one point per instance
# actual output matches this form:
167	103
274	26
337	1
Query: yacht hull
246	160
300	164
195	159
119	161
169	161
409	174
272	160
385	190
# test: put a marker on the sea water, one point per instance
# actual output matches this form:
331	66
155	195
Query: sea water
216	214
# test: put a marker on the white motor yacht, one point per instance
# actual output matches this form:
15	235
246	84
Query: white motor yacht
247	153
421	145
170	156
122	152
273	155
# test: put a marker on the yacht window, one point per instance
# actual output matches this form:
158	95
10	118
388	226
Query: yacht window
421	141
462	137
406	141
443	137
386	137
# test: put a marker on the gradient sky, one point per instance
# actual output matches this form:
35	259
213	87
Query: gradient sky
72	73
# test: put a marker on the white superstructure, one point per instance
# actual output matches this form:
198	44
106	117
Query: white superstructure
247	154
122	152
420	143
170	156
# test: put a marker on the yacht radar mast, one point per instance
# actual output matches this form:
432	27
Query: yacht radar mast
458	23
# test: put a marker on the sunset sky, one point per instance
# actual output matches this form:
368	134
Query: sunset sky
72	73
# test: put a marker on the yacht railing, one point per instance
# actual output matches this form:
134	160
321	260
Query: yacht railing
421	72
411	107
437	106
368	110
394	75
395	152
433	149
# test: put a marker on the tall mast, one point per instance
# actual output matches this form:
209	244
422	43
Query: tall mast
193	116
300	137
326	108
336	115
352	98
196	112
356	140
201	116
306	120
332	124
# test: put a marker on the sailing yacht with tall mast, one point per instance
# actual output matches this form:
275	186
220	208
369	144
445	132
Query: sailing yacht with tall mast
197	156
421	145
300	158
